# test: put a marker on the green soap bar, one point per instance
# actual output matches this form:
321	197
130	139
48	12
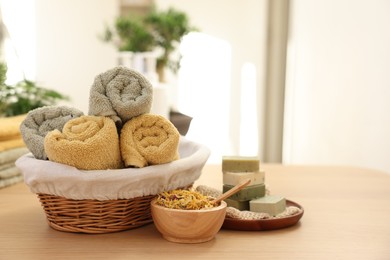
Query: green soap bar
240	164
272	204
247	193
240	205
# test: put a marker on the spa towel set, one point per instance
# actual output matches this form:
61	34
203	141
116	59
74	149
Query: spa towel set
118	132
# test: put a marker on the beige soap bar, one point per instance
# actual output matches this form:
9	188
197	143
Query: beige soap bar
240	164
234	178
271	204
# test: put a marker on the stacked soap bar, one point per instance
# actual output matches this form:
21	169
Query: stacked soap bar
237	169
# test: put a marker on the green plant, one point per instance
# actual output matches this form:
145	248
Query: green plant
157	29
168	27
24	96
132	34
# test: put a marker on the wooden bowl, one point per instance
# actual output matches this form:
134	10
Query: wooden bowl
188	226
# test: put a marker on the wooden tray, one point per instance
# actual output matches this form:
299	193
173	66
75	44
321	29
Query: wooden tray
264	224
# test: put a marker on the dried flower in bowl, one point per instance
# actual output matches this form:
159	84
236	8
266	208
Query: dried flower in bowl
184	199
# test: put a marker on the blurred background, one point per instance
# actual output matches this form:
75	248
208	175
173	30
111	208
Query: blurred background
294	82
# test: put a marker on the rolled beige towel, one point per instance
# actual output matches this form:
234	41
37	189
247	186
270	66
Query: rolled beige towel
87	143
149	139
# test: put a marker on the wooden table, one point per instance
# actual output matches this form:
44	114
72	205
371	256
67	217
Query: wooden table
347	216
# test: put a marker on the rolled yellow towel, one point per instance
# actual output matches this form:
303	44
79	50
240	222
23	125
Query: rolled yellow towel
87	143
149	139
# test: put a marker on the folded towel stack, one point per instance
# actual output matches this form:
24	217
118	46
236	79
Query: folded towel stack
41	121
10	136
11	148
9	173
87	143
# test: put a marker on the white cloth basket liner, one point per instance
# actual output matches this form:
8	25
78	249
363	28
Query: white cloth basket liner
66	181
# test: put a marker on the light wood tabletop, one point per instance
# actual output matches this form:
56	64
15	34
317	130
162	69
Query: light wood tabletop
347	216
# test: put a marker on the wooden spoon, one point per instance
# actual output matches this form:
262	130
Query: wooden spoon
232	191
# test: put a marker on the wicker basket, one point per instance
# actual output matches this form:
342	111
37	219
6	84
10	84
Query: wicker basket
94	216
125	205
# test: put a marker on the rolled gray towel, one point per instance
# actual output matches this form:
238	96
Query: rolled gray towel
42	120
121	94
